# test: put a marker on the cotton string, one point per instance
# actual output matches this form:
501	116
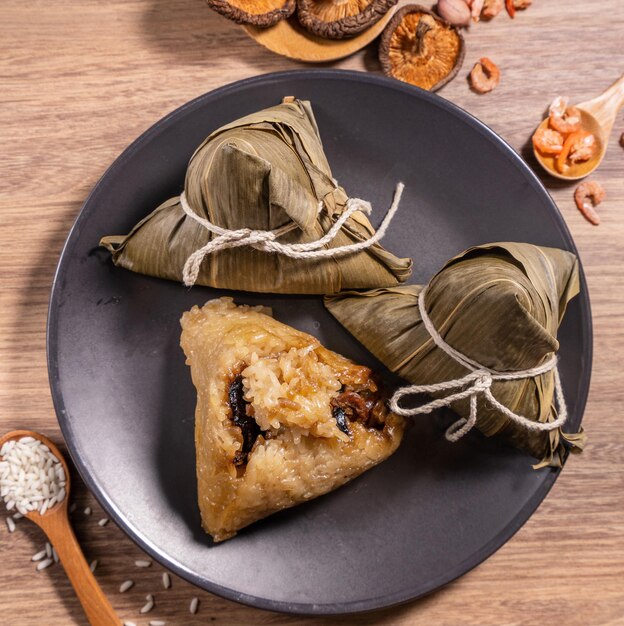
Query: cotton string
477	382
266	240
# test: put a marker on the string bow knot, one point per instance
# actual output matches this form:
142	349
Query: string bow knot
266	240
478	382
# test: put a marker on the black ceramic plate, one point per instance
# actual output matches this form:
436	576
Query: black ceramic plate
124	396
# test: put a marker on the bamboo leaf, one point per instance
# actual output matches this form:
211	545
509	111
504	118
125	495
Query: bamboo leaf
500	305
261	172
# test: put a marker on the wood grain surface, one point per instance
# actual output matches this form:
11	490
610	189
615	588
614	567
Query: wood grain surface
82	78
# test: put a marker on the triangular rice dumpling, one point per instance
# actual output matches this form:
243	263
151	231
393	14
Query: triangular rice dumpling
262	172
500	305
279	419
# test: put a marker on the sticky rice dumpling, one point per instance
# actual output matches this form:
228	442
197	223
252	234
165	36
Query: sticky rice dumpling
500	305
279	419
264	172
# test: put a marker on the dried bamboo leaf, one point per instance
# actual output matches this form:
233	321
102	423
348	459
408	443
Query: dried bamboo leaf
261	172
499	304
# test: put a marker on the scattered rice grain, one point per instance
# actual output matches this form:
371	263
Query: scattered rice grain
93	565
87	510
44	564
157	622
18	515
166	580
149	605
142	563
72	507
55	555
129	624
48	549
125	586
194	606
10	524
103	521
38	556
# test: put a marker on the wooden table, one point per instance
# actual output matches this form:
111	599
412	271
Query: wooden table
82	78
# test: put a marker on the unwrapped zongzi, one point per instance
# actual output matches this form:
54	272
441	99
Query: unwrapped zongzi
279	419
500	306
266	172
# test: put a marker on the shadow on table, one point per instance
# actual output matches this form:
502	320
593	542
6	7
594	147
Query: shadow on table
192	33
31	323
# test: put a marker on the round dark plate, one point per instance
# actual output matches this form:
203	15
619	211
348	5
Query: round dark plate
125	401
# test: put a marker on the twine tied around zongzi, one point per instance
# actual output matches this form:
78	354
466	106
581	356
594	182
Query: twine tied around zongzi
477	382
266	240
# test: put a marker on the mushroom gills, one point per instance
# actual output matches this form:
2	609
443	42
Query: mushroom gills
420	48
261	13
338	19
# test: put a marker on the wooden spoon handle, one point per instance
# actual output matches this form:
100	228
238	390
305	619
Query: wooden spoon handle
606	106
95	604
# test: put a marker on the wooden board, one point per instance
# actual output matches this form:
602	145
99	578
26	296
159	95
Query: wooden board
81	79
291	40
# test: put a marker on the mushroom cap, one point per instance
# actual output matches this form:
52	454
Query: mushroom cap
337	19
261	13
420	48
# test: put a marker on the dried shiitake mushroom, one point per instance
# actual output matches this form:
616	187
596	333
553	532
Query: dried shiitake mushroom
261	13
336	19
420	48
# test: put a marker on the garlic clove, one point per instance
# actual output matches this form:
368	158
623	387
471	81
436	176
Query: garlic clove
456	12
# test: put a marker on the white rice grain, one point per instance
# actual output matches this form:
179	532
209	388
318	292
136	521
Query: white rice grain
18	515
126	585
157	622
194	606
103	521
149	605
166	580
93	565
48	549
87	510
44	564
10	524
55	555
142	563
38	556
72	507
129	624
31	477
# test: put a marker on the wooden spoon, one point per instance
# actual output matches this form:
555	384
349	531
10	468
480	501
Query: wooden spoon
55	524
291	40
597	116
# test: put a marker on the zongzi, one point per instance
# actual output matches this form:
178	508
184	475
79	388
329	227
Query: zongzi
260	211
279	419
493	313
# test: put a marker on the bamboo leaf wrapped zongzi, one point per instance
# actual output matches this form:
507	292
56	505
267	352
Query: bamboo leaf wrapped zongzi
264	176
498	308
